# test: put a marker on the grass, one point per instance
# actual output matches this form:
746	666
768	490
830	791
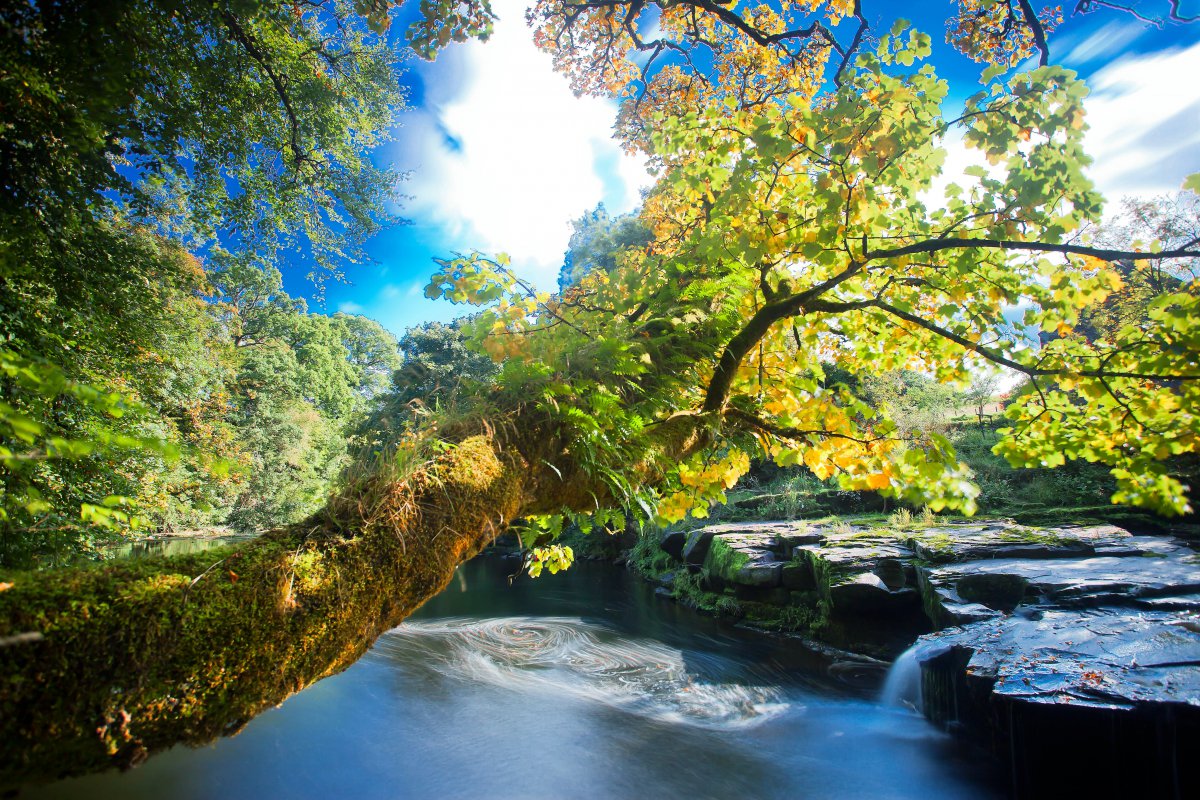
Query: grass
647	558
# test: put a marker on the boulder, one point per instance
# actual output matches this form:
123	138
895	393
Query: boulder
672	543
696	548
1006	539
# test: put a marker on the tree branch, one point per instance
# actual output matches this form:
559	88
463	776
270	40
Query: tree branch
937	245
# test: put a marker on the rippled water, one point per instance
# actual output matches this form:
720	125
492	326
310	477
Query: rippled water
581	685
567	657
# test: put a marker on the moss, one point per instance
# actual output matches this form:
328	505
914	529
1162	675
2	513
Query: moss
805	619
940	546
1036	536
688	588
826	574
141	655
723	561
648	559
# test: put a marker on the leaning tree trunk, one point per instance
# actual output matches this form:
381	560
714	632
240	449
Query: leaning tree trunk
100	666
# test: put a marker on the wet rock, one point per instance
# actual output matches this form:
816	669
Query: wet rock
746	556
959	593
868	595
696	548
1107	685
672	543
778	537
734	564
798	575
762	572
863	571
1110	656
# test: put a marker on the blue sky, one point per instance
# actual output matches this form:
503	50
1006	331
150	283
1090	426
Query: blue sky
502	156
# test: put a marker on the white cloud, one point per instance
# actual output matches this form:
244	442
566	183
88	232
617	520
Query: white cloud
1111	38
505	155
1144	118
1143	121
350	307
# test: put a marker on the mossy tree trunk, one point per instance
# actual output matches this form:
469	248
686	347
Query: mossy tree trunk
100	666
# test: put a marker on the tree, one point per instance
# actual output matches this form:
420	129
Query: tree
248	119
597	240
134	133
697	53
914	401
789	233
437	363
1173	222
792	236
982	392
372	352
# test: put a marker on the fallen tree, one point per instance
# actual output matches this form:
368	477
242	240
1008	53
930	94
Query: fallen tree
102	666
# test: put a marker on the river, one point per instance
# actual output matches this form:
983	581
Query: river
580	685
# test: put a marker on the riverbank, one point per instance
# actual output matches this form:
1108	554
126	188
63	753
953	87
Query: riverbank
1034	641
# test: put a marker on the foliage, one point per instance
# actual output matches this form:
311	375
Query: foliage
245	118
597	241
677	56
794	240
917	403
436	364
158	156
554	558
28	445
257	397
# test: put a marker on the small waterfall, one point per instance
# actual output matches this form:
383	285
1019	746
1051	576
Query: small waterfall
903	685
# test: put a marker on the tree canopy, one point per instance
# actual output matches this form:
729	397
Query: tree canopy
795	229
160	158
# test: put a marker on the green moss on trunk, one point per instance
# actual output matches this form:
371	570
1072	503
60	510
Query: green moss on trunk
129	658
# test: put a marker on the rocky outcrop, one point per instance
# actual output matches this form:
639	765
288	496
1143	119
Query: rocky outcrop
1073	652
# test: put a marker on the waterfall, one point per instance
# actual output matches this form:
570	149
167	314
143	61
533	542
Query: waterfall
903	685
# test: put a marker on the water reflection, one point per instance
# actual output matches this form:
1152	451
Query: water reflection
171	546
581	685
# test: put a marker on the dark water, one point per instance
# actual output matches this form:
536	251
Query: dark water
581	685
140	548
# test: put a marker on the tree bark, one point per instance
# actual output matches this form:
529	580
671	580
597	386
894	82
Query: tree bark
101	666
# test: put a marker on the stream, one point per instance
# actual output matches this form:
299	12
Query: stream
579	685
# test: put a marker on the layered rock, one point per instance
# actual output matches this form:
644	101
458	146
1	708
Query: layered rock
1071	651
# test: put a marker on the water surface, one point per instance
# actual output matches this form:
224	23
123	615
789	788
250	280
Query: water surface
583	685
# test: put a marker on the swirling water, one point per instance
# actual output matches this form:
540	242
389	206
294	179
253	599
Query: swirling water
583	685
